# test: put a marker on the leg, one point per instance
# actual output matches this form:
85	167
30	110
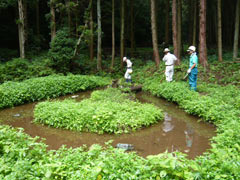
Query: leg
167	73
171	73
127	77
193	80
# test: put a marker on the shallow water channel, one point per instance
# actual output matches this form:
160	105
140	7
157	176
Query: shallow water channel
178	132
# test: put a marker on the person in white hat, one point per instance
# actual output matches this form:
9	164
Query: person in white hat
192	71
129	70
169	60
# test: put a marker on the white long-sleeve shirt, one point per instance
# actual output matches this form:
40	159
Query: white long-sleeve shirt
169	59
129	63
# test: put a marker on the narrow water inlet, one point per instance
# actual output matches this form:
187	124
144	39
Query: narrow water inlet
178	132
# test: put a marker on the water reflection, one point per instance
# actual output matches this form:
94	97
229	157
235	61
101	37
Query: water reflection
167	125
189	133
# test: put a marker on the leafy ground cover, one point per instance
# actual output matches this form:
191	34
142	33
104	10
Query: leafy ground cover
22	157
106	111
222	73
35	89
218	105
21	69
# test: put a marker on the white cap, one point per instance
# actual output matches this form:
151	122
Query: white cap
124	59
166	50
192	48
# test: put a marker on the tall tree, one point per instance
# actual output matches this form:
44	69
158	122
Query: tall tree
132	29
113	33
122	31
68	9
53	20
190	22
91	32
174	27
167	22
37	18
202	34
21	28
99	49
219	30
179	28
194	40
236	33
154	33
25	7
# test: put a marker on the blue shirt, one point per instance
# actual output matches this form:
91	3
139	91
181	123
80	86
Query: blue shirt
193	60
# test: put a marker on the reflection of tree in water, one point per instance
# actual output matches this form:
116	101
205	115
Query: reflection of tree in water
189	136
167	125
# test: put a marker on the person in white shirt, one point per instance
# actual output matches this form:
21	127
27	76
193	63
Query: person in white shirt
129	71
169	60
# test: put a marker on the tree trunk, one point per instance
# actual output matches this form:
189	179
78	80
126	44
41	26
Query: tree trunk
91	31
80	39
99	49
174	27
179	29
25	22
53	20
202	34
69	15
76	19
113	34
122	32
167	22
219	30
21	29
194	40
154	34
132	29
37	19
236	33
190	22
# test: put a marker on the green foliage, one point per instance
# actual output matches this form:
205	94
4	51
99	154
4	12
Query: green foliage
35	89
106	111
214	103
61	50
20	69
22	157
7	3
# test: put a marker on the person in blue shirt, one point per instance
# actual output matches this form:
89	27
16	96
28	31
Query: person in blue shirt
192	71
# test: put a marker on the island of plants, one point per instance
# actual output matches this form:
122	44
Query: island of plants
107	111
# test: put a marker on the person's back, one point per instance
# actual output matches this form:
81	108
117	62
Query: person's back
129	70
169	60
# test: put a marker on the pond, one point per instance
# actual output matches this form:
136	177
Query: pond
178	132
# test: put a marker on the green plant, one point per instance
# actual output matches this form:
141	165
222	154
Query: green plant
21	69
106	111
61	50
35	89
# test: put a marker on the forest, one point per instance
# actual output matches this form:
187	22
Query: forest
119	89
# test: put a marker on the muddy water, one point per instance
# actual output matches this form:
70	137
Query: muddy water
178	132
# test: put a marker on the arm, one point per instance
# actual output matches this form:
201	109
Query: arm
193	66
164	58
